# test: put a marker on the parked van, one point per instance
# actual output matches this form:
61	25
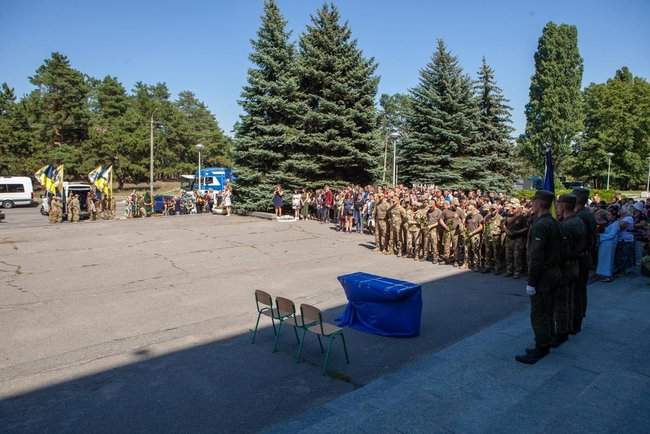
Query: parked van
16	190
80	189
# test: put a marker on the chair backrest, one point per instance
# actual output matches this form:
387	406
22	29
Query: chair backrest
264	298
285	306
311	315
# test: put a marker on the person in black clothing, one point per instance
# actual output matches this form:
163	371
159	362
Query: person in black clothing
586	259
544	274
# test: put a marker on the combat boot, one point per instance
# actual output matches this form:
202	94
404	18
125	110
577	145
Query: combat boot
531	357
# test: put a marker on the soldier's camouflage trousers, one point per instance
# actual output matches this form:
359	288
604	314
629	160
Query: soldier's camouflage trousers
395	244
413	243
381	235
473	251
493	254
430	244
449	245
514	248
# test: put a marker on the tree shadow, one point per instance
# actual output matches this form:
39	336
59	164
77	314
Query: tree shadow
231	385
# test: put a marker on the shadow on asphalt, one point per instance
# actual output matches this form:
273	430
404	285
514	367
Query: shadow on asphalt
233	386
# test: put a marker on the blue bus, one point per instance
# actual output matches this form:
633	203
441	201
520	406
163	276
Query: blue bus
212	179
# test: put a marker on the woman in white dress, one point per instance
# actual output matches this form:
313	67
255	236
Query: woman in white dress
227	199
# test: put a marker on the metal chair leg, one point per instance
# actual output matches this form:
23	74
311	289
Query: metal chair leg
273	324
302	343
320	344
295	332
345	349
330	339
257	323
277	338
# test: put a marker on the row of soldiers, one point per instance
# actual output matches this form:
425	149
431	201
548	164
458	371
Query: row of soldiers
488	237
72	205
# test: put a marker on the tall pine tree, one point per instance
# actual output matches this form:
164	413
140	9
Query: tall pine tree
441	145
554	113
494	131
266	132
337	143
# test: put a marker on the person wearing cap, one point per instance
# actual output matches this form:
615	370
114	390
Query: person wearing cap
586	260
423	230
449	239
380	217
544	275
515	226
431	239
574	235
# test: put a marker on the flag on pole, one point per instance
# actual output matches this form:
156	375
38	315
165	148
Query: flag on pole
58	178
101	178
549	181
46	176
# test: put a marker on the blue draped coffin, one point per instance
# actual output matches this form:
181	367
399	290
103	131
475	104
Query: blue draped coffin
381	305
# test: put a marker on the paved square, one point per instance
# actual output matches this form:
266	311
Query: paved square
144	324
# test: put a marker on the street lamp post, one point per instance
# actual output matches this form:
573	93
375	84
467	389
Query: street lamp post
394	135
151	156
609	166
200	147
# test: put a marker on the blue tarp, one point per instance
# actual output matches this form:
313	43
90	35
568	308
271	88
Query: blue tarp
381	305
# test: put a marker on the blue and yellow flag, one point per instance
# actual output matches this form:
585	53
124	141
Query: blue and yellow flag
46	176
101	177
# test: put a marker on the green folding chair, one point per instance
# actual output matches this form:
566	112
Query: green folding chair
286	314
264	304
313	323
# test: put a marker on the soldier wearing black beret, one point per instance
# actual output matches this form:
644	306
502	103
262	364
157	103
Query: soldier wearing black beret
544	274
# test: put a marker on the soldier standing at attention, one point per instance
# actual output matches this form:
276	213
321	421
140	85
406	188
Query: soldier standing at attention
74	209
516	226
397	216
574	233
460	254
379	215
448	224
474	228
493	242
544	275
431	237
421	216
413	231
52	214
586	260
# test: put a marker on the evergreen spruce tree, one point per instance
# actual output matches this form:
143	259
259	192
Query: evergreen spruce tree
266	132
337	143
442	144
494	131
554	113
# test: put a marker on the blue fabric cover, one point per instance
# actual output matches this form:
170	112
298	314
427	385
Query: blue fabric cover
381	305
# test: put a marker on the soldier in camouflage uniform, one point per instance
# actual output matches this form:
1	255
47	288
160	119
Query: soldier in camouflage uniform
423	223
449	235
460	255
380	217
397	215
473	231
54	213
515	226
413	232
74	209
492	236
431	239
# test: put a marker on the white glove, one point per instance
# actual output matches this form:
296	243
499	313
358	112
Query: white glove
530	290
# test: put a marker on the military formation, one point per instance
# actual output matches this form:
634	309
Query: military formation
71	209
502	236
471	232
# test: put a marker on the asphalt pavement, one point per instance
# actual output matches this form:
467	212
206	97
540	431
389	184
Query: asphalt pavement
143	325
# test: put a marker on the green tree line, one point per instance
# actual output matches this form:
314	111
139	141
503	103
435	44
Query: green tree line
80	121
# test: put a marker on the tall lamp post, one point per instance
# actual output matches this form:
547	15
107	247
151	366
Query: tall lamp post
200	147
151	155
394	135
609	166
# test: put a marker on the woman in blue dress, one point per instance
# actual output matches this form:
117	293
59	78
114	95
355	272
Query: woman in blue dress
277	200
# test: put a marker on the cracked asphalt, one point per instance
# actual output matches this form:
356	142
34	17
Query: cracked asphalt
143	325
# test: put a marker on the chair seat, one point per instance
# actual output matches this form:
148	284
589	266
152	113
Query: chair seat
270	312
296	322
328	329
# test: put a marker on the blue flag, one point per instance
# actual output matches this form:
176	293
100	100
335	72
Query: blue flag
549	181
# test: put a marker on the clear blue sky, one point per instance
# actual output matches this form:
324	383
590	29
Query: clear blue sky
203	46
